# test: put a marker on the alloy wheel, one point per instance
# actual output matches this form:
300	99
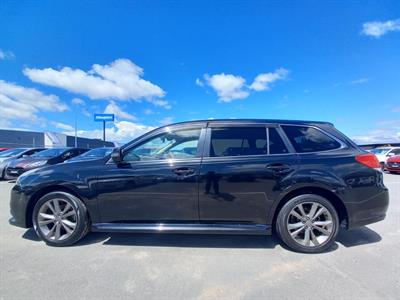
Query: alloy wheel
310	224
57	219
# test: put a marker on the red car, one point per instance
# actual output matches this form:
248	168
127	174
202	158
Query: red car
3	149
393	164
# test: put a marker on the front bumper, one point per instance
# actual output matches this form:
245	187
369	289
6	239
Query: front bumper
18	207
12	173
393	167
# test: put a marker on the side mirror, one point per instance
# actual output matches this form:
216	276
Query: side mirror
116	155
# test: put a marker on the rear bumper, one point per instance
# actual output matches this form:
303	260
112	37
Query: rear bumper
367	211
18	207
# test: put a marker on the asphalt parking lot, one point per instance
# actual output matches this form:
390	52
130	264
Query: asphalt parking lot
365	263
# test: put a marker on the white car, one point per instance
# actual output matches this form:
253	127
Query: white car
383	153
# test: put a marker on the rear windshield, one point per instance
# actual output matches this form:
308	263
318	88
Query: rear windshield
309	139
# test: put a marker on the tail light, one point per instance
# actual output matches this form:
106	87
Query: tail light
369	160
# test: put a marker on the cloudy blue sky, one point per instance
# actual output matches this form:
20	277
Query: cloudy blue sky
156	62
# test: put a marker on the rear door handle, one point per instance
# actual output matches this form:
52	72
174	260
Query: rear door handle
184	171
279	168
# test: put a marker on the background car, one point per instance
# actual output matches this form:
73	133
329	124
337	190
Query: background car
93	154
47	157
7	156
393	164
384	153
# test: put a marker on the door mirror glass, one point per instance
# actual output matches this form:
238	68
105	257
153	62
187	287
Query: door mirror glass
116	155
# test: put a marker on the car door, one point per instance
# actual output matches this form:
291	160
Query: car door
156	181
244	168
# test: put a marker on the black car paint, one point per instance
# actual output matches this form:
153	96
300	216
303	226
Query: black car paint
215	190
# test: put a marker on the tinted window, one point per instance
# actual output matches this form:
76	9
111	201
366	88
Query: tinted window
237	141
276	144
177	145
395	151
49	152
12	152
308	139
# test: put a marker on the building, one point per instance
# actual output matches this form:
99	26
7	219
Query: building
17	138
376	145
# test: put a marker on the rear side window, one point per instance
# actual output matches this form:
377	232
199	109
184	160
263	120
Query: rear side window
309	139
276	144
236	141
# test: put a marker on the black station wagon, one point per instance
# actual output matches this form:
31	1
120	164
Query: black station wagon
301	179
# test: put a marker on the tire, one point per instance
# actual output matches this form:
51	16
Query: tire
294	226
61	224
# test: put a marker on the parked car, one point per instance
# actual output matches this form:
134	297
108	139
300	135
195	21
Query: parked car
393	164
47	157
302	180
383	153
93	154
8	156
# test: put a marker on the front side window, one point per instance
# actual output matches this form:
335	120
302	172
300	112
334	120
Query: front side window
309	139
238	141
178	144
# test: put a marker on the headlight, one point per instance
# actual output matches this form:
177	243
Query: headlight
37	164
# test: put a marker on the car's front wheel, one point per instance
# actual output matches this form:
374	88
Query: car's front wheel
308	223
60	219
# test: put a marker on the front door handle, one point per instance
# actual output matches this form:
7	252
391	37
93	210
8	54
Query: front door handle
279	168
184	171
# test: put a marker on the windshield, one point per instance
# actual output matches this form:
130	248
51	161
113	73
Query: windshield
380	151
49	153
99	152
12	152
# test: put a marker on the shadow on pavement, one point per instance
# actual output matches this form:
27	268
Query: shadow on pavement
355	237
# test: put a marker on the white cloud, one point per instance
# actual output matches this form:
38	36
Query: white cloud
199	82
113	108
388	132
227	86
78	101
122	132
166	120
148	112
376	29
6	55
359	81
21	103
230	87
263	81
119	80
62	126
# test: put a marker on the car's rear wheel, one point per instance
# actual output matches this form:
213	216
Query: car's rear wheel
60	219
308	223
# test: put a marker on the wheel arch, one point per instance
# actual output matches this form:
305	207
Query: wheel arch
44	191
323	192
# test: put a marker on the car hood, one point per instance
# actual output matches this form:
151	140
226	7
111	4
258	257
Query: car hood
83	158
